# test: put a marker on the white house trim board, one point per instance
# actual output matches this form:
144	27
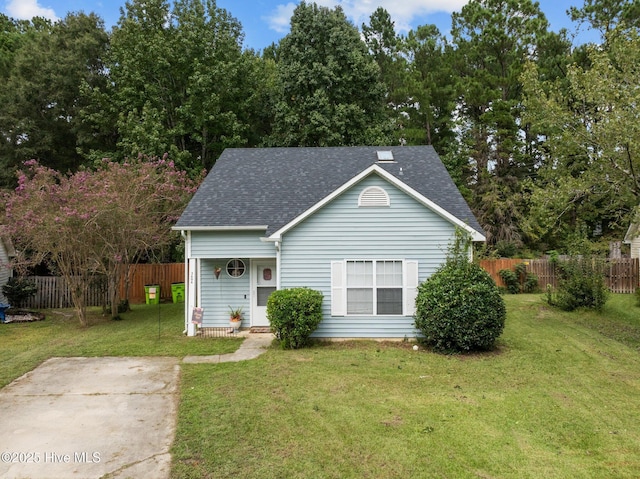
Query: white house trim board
187	255
278	264
192	293
220	228
475	235
186	303
631	234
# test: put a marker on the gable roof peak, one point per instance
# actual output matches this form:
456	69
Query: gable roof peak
273	186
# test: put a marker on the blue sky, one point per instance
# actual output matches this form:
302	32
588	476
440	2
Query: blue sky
266	21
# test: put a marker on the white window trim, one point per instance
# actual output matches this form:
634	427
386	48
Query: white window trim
339	287
229	264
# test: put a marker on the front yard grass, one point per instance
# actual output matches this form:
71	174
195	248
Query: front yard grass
559	398
23	346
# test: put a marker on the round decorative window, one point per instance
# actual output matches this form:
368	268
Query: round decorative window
235	268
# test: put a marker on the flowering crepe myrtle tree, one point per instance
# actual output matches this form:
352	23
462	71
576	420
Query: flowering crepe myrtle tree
95	221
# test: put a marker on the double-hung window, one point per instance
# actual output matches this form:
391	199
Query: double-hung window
373	287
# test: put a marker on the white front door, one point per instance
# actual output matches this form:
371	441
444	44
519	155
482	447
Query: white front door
263	283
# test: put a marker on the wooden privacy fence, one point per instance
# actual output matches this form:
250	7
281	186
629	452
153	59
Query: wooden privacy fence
152	274
53	291
622	274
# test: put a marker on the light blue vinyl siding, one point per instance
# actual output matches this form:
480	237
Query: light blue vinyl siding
230	244
216	248
342	230
219	294
5	271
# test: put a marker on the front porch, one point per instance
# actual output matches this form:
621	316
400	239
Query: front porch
222	332
216	286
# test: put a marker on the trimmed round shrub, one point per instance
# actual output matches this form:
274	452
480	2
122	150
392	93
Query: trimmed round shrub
459	308
294	314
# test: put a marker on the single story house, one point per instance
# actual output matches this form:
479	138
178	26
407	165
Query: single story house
7	252
632	238
362	225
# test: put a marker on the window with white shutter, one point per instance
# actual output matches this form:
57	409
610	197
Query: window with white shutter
373	287
338	299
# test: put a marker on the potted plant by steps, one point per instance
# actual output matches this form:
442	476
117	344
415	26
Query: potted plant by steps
235	318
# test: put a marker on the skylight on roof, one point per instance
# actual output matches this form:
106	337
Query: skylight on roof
385	155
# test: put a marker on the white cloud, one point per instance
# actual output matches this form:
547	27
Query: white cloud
279	20
27	9
403	13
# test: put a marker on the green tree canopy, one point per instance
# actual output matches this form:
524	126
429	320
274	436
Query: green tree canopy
180	82
606	15
386	48
431	103
591	130
330	92
43	90
493	39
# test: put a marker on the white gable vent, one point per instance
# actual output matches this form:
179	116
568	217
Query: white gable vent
385	156
373	196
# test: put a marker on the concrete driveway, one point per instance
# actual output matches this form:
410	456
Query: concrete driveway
90	418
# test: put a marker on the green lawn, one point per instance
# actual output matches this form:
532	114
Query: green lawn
559	398
25	345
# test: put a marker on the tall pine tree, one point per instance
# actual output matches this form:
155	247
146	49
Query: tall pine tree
330	89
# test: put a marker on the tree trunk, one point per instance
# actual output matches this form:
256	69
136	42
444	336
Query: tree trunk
114	294
78	286
127	280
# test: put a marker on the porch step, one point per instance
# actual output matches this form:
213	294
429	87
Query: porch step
260	329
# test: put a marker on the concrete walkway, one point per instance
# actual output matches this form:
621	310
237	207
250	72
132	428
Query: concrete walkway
253	346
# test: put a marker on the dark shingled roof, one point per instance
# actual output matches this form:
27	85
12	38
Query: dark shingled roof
273	186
